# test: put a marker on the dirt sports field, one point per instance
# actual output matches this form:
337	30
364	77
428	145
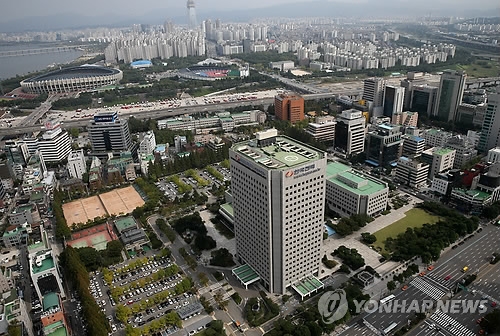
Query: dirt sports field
115	202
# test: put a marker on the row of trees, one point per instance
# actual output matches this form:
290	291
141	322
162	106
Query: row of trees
166	229
78	276
428	241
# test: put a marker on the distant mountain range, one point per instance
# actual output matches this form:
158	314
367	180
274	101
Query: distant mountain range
374	9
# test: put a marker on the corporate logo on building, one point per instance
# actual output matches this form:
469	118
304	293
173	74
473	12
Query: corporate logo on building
302	171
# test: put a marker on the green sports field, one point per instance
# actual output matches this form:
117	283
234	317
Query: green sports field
414	218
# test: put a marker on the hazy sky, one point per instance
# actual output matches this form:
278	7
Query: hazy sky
11	10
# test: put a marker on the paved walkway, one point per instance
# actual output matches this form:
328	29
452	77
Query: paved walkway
229	244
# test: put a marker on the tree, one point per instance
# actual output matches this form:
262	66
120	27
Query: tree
491	322
222	257
391	285
123	313
368	238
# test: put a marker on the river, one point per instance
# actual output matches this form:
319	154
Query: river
20	65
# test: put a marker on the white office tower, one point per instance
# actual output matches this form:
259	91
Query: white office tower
490	132
493	155
373	93
278	191
76	164
394	97
55	144
350	132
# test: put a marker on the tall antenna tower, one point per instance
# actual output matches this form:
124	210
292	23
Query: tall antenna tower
192	22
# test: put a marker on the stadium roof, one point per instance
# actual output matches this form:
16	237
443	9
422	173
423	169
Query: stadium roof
141	62
83	71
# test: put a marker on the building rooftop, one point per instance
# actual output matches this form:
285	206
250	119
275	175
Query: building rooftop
281	154
474	193
49	301
353	181
55	329
443	151
42	262
13	231
125	223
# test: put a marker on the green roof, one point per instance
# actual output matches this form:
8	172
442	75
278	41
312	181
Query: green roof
18	230
246	274
228	207
334	168
22	208
348	179
443	151
308	285
50	300
477	194
125	223
46	264
55	329
35	245
36	196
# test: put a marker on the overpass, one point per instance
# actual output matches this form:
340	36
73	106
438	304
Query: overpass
489	80
155	114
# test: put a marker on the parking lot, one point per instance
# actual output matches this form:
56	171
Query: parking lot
172	190
151	287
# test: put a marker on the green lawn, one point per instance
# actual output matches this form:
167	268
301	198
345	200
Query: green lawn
480	68
414	218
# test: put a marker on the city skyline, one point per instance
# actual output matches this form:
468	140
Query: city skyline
55	13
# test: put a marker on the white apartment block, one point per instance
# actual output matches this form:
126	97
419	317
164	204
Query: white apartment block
349	192
76	164
279	232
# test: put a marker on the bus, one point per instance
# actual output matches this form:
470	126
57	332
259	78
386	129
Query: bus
387	299
389	328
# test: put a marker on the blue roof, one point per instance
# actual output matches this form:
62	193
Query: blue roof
141	62
371	162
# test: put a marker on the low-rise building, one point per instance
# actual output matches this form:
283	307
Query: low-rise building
323	129
493	155
405	118
350	192
25	213
14	235
413	145
439	159
130	234
411	172
436	138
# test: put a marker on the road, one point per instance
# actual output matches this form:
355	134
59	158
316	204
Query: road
475	253
29	125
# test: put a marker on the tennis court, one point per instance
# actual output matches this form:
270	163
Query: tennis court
80	211
115	202
97	240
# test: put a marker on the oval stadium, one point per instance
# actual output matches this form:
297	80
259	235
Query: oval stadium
74	79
